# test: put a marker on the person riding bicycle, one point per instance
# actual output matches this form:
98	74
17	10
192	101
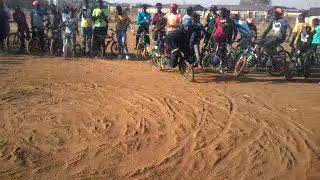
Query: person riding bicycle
122	23
297	32
223	35
278	27
159	24
143	22
86	26
210	22
181	39
23	29
37	22
100	24
245	32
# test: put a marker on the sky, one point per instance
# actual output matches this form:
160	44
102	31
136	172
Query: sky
301	4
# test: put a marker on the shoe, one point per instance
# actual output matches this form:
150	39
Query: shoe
120	57
127	57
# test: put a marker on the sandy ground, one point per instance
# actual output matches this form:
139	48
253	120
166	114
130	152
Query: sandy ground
91	119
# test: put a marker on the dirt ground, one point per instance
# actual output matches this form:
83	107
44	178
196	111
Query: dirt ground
95	119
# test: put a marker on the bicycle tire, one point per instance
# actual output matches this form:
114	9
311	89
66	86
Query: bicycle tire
114	48
13	41
239	67
33	45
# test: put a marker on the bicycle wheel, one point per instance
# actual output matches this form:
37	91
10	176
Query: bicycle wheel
33	46
114	48
238	69
207	59
55	48
13	41
186	70
78	52
279	64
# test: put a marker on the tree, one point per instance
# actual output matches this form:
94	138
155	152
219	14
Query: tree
255	2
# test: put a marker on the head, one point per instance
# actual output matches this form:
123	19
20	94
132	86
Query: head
100	2
119	10
301	18
159	7
315	22
236	17
144	7
213	9
174	8
308	29
86	2
66	9
278	13
196	17
187	24
223	12
190	10
17	8
250	14
36	4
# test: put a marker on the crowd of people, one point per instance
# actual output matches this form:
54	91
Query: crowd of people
169	30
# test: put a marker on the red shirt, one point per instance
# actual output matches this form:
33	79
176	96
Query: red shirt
220	27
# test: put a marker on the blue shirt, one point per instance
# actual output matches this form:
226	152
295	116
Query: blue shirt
141	19
244	29
38	17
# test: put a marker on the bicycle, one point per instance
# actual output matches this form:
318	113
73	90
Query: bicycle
111	41
35	46
142	51
301	63
158	57
253	58
213	54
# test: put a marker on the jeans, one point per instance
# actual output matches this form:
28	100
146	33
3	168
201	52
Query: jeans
23	33
122	40
270	44
158	38
39	32
86	38
221	53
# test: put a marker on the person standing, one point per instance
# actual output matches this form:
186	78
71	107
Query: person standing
4	24
159	24
122	23
174	21
100	24
23	29
143	22
86	26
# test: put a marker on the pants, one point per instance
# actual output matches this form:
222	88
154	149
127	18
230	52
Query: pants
86	39
270	44
140	30
221	53
122	41
23	33
39	33
245	42
158	38
98	41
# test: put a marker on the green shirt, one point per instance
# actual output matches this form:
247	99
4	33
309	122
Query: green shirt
211	20
100	16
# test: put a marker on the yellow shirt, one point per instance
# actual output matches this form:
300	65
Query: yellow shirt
298	29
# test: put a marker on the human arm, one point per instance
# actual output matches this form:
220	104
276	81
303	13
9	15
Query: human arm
265	33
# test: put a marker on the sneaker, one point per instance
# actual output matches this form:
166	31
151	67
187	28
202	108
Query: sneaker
127	57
